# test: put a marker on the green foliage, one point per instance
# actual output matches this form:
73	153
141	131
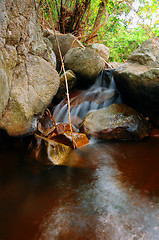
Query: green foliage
120	33
120	36
123	41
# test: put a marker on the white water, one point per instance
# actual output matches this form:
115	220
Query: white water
100	95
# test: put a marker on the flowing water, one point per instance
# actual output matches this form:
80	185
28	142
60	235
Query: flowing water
108	191
100	95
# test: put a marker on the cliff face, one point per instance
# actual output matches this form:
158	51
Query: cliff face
28	79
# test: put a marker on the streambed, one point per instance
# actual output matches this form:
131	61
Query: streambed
109	191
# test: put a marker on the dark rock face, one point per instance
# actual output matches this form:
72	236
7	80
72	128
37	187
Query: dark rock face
85	63
116	122
138	79
28	79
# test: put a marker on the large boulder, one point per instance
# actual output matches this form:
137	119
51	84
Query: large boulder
28	79
85	63
66	42
138	79
116	122
101	49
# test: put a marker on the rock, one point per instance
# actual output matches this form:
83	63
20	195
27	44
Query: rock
85	63
53	142
47	32
60	145
45	51
101	49
47	152
116	64
155	133
47	126
138	79
55	150
66	138
66	42
71	79
57	153
28	79
116	122
147	53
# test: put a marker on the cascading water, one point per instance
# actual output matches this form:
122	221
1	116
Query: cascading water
100	95
108	191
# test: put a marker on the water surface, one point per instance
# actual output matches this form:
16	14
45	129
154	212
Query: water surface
109	191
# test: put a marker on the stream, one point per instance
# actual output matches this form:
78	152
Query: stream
109	191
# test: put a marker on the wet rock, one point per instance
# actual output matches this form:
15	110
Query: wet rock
85	63
138	79
57	153
71	79
47	152
55	150
62	128
47	126
53	142
66	138
155	132
28	80
66	42
116	122
101	49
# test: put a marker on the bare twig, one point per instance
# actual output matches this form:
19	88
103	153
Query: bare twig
63	67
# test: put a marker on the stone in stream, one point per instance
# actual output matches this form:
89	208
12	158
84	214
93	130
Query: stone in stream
49	152
52	143
138	79
116	122
28	79
85	63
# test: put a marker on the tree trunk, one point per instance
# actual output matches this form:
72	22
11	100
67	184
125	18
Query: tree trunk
97	24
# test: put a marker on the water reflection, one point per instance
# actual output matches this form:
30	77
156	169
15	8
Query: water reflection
105	206
111	191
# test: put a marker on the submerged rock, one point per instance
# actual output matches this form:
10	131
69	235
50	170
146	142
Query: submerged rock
116	122
138	79
85	63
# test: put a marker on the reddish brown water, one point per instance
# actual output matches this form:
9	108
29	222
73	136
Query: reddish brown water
112	192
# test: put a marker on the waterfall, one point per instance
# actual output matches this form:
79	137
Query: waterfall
100	95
